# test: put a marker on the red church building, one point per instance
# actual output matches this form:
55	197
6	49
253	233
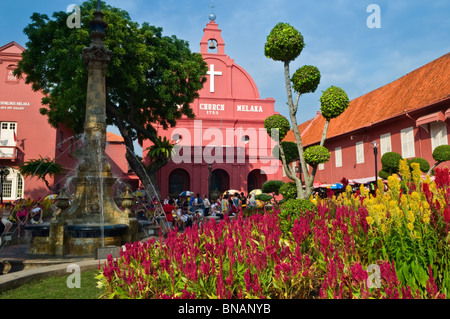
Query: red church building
409	116
226	146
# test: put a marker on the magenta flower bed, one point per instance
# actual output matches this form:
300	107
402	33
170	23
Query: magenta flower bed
351	247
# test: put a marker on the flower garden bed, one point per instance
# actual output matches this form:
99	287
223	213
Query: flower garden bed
392	245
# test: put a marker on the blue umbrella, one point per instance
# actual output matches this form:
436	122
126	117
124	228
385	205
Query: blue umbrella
186	193
336	186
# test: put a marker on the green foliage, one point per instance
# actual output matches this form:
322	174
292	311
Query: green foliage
161	150
333	102
441	153
390	162
272	186
290	151
383	174
41	168
315	155
291	209
424	165
279	122
284	43
288	191
306	79
263	197
151	78
148	77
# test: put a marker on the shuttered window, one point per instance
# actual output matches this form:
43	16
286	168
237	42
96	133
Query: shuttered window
385	143
438	132
407	139
338	156
359	152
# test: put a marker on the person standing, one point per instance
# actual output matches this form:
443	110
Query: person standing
207	205
243	201
22	218
6	214
168	209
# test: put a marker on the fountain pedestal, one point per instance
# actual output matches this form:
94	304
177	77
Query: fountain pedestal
93	219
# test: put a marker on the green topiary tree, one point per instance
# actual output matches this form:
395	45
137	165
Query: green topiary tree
288	191
440	154
285	43
316	155
390	162
288	149
424	165
272	186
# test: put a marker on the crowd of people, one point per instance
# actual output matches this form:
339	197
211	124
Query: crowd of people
185	211
17	214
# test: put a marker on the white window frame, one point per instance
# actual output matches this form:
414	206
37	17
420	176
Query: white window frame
407	141
385	143
438	133
338	156
321	166
359	152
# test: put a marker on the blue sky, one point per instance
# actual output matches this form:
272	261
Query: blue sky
347	52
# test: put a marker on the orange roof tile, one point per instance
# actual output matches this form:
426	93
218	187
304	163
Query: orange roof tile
419	88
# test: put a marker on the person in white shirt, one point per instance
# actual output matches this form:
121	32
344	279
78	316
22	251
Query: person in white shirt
207	205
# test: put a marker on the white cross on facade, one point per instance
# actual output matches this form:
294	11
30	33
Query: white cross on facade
212	73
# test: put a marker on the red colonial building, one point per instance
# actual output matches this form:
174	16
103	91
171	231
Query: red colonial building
25	134
410	116
226	146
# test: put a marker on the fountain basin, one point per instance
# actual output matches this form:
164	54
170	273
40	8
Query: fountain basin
79	239
95	230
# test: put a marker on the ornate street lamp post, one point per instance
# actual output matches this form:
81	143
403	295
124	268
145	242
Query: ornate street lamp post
375	153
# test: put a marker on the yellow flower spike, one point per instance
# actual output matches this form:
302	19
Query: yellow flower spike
426	219
362	190
348	189
404	170
415	195
416	173
380	184
369	220
410	226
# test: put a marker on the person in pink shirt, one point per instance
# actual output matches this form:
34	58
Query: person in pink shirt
22	218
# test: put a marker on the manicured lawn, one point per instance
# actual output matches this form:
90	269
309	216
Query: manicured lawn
56	288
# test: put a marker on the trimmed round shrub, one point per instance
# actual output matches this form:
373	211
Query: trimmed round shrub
263	197
424	165
279	122
316	155
284	43
441	153
290	151
383	174
272	186
288	191
306	79
333	102
390	162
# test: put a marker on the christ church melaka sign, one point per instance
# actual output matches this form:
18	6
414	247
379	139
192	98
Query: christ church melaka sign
249	108
13	105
